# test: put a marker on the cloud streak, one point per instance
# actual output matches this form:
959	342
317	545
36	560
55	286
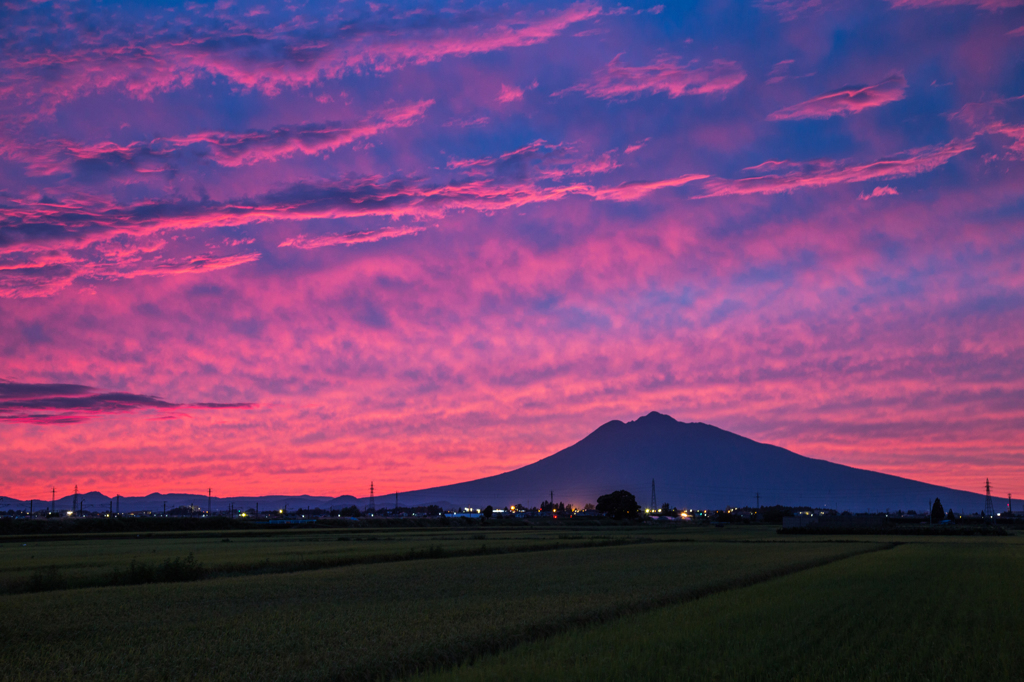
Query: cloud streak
667	74
35	271
848	100
267	60
990	5
885	191
352	238
224	148
50	404
825	173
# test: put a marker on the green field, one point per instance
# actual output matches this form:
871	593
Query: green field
604	603
95	560
924	611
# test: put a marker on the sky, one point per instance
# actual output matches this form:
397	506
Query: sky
296	248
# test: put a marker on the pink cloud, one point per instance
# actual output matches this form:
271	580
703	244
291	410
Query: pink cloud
991	5
631	191
250	57
224	148
666	74
468	122
543	160
987	118
101	240
788	10
34	274
845	101
885	191
1014	132
824	173
352	238
509	93
233	149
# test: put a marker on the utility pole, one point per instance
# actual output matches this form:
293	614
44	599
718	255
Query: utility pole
758	496
53	499
209	500
552	498
118	498
74	502
396	500
165	508
654	498
372	507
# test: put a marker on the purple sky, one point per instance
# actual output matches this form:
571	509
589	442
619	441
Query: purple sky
293	248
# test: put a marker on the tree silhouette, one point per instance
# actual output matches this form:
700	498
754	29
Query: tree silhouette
937	511
619	505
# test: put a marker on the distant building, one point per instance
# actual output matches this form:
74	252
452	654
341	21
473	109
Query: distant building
798	521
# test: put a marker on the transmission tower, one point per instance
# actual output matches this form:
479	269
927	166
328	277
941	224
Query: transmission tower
372	508
990	512
654	497
74	502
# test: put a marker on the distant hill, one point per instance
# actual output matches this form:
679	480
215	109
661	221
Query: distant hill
154	502
694	466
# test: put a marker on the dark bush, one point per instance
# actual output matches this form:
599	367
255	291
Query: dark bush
619	505
181	570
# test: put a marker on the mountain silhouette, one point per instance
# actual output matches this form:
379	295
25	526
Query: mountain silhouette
694	466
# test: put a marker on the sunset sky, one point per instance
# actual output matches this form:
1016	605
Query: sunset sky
293	248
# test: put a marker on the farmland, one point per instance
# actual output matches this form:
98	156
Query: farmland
492	603
924	611
32	564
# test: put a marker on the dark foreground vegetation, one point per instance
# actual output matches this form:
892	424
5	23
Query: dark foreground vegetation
922	611
661	602
94	561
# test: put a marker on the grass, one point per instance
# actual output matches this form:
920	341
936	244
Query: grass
923	611
367	621
45	563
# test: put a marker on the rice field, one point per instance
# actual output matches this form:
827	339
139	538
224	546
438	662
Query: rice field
368	620
43	563
921	611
